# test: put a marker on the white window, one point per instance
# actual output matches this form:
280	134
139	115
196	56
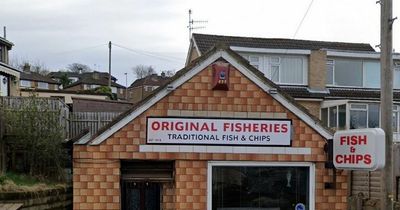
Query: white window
364	116
334	117
25	83
275	66
121	91
73	79
396	76
255	61
330	68
353	73
43	85
113	90
372	74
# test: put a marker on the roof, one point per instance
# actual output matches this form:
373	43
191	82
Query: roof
59	74
76	92
103	81
205	42
151	80
6	42
216	53
337	93
34	76
7	69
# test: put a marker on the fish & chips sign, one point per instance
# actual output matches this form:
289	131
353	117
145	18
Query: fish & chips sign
258	132
359	149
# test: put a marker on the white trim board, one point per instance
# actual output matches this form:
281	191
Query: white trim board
311	177
226	149
194	71
270	50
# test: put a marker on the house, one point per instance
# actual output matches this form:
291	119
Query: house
36	81
337	82
143	87
9	76
89	81
195	143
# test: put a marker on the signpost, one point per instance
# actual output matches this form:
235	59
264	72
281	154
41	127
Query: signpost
219	131
359	149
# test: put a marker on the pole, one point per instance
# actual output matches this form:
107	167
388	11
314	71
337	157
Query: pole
190	24
126	86
109	64
387	181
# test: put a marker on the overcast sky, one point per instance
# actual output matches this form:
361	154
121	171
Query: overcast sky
154	32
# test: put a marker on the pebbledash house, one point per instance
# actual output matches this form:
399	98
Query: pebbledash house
218	136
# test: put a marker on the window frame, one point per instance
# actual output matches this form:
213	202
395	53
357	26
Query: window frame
311	177
363	76
43	85
25	86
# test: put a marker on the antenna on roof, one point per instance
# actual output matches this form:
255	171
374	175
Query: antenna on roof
4	32
191	26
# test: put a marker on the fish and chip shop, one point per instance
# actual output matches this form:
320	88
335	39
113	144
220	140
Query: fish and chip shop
218	136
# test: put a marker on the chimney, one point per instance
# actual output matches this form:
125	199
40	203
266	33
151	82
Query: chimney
26	67
4	32
163	74
317	70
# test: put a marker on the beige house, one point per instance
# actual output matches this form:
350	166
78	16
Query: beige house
143	87
9	76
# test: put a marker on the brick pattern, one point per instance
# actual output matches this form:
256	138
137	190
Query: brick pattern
189	190
313	107
317	70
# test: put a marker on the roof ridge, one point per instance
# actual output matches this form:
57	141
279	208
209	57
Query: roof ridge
271	38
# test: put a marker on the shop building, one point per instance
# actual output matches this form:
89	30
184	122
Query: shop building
219	135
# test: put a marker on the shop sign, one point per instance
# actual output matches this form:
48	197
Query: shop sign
359	149
218	131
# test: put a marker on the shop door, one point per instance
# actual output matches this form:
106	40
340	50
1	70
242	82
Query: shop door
141	196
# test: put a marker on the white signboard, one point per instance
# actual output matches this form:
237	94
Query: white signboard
359	149
218	131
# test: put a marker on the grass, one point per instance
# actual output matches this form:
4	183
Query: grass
12	182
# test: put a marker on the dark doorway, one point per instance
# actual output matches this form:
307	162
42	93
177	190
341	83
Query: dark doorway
141	196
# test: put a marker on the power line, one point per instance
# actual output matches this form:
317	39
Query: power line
302	20
149	54
80	49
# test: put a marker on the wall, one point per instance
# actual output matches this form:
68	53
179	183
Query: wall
88	105
314	107
67	96
97	168
54	199
135	94
317	70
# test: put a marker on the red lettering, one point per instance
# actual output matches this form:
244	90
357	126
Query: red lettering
284	128
367	159
339	158
155	126
342	140
256	128
362	139
264	128
164	126
179	126
276	128
204	127
238	128
226	126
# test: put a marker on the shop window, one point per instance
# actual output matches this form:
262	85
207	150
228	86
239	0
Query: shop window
259	187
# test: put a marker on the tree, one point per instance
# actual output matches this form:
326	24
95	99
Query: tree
37	66
168	73
142	71
79	68
34	128
64	80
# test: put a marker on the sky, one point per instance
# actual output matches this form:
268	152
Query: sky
154	32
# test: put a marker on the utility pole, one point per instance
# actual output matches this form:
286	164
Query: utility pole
126	86
387	181
109	64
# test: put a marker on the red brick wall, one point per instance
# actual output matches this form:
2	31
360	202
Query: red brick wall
189	189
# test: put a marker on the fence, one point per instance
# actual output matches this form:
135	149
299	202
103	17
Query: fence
93	121
50	104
